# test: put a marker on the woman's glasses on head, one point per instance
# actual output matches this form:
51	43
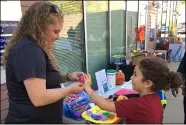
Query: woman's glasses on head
55	8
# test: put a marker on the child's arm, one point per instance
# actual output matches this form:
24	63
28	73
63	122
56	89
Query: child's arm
100	101
123	108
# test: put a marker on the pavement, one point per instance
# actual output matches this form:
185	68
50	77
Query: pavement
174	110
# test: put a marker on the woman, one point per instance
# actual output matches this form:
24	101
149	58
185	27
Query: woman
32	74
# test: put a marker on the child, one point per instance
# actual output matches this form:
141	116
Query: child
150	75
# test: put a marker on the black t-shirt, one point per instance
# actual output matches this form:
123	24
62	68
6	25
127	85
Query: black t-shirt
27	59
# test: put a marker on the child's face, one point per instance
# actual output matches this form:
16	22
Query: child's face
138	83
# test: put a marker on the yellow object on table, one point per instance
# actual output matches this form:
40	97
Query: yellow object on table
96	109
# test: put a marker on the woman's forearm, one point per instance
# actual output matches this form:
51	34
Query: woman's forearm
40	96
52	95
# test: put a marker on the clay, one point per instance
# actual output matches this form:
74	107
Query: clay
81	79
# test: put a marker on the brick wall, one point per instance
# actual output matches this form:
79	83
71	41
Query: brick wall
71	21
4	102
25	5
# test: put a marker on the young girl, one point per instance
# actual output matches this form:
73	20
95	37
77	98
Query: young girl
150	75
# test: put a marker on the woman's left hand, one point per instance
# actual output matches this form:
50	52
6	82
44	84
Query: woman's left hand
74	76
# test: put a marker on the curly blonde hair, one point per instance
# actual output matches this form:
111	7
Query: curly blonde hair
33	24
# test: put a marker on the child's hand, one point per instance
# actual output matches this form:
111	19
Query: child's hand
75	88
87	82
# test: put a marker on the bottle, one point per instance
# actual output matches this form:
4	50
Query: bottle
111	78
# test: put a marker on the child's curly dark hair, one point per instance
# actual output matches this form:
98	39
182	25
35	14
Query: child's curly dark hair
156	70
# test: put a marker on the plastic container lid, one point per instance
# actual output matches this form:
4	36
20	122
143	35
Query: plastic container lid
118	56
111	71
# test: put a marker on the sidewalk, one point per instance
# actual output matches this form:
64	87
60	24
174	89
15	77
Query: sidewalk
174	110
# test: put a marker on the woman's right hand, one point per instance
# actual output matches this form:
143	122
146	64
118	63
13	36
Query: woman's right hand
76	88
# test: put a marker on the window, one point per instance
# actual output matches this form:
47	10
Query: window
70	48
96	14
132	22
118	20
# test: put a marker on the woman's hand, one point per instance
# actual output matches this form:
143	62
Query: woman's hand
87	82
75	88
74	76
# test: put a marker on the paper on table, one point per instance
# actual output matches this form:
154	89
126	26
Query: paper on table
127	85
101	79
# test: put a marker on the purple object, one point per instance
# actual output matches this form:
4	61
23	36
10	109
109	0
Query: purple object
89	113
103	117
77	114
97	116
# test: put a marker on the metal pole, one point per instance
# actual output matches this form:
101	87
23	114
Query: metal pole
170	15
161	18
137	27
146	27
126	14
85	30
110	44
165	21
176	31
